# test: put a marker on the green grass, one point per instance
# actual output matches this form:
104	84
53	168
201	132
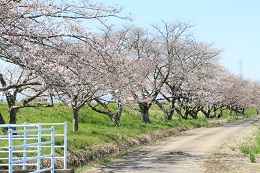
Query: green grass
97	128
252	149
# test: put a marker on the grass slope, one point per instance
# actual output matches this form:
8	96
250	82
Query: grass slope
253	149
97	129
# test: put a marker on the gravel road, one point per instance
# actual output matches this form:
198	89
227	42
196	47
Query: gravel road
180	154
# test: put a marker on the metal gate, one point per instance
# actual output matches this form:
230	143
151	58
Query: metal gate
25	144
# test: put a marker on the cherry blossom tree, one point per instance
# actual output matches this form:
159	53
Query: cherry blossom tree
38	34
114	67
21	88
246	96
75	74
145	82
213	89
172	38
255	94
199	63
26	23
188	63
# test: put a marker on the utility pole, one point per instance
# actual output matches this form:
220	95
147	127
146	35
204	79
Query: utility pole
241	68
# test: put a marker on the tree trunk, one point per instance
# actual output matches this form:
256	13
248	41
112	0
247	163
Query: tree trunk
171	111
144	109
236	111
179	112
115	117
220	112
75	119
192	114
187	111
214	111
207	112
167	113
243	111
230	111
118	113
12	116
195	114
145	116
2	121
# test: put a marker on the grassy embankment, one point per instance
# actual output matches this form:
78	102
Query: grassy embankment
98	137
252	149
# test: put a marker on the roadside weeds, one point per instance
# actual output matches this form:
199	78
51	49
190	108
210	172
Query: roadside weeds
229	158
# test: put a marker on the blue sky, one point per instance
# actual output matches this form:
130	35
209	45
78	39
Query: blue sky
232	25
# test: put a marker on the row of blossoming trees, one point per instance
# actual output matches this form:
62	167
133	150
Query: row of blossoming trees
54	51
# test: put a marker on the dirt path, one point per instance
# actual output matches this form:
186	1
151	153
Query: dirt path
181	154
228	157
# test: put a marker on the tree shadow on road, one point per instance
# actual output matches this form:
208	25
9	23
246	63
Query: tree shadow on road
143	161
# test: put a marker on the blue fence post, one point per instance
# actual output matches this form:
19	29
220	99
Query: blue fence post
10	147
52	148
39	148
65	144
24	147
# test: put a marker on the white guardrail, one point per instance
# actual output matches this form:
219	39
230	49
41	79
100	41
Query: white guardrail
21	140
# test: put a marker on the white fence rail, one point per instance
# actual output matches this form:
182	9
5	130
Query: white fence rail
24	151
